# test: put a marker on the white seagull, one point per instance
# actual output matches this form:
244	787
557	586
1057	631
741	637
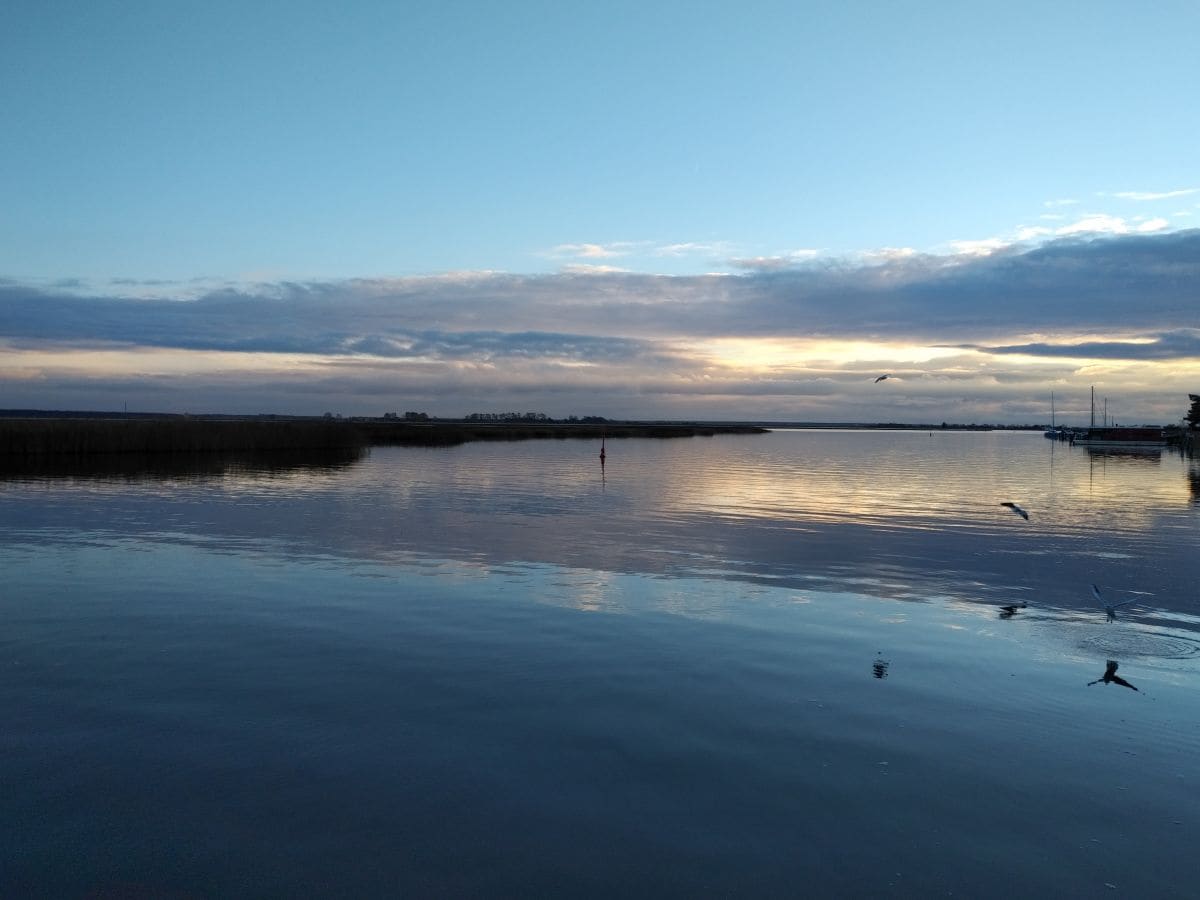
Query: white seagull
882	378
1020	512
1110	608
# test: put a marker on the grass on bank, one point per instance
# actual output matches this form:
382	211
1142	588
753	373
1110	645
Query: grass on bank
82	437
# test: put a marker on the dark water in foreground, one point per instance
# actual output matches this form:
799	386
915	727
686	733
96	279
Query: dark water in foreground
764	666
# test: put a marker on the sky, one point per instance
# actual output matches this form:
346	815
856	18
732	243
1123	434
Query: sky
666	210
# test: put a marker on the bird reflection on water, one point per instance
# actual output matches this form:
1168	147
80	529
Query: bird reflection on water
1016	509
1110	676
1010	610
879	668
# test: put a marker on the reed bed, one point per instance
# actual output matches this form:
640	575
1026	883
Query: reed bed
48	437
87	437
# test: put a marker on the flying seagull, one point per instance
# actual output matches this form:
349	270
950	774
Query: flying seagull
882	378
1020	512
1110	676
1110	608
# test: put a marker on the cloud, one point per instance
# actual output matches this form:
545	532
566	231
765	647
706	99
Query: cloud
1033	232
1183	343
774	263
1096	223
691	248
647	248
1156	224
619	343
1089	224
1053	204
1142	196
1103	223
590	251
984	247
763	263
1082	283
588	269
888	254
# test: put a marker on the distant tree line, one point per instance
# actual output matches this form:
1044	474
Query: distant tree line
1193	416
508	417
532	417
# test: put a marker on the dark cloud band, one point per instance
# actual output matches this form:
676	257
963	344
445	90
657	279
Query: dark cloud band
1129	284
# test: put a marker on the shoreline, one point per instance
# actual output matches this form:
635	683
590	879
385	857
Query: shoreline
27	435
90	435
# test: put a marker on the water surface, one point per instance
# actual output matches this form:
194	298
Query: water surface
756	665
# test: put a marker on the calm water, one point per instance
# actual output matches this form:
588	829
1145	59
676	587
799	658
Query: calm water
769	665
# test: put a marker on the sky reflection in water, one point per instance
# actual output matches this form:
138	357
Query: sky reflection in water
898	514
489	669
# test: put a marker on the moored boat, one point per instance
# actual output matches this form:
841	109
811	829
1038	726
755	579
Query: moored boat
1053	431
1122	437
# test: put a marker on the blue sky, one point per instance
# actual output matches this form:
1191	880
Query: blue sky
157	152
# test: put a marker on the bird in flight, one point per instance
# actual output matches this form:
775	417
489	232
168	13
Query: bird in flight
1020	512
1110	608
882	378
1110	676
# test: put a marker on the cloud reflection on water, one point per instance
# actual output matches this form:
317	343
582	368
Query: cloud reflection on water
903	515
